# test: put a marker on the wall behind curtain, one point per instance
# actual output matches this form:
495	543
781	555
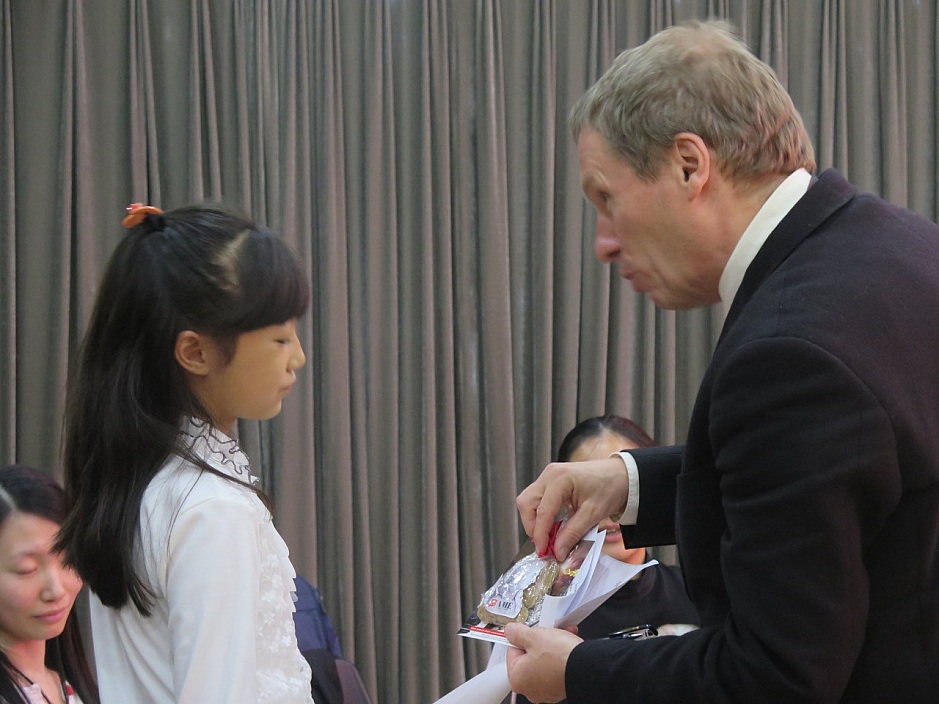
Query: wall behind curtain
416	155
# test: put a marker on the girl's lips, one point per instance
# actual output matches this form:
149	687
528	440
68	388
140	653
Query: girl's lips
613	535
53	616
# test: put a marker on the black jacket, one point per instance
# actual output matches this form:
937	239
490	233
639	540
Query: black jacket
805	504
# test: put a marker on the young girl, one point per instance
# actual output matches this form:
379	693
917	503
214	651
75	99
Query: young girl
41	653
194	327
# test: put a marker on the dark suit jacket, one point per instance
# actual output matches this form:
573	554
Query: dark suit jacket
806	503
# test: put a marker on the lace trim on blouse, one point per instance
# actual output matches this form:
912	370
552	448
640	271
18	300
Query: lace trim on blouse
283	673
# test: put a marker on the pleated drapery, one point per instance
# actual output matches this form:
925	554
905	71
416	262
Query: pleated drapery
416	155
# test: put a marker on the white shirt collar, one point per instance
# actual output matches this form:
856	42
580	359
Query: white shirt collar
219	450
782	200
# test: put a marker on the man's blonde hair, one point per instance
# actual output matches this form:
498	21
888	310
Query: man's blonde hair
699	78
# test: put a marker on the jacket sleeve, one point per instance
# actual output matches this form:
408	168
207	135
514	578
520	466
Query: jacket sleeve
805	471
658	469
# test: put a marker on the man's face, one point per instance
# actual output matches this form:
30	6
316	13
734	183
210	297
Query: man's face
647	228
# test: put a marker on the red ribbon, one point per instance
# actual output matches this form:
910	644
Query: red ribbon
136	212
549	550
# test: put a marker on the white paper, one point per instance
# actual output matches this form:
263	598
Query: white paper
609	574
490	686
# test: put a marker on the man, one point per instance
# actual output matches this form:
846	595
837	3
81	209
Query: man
805	503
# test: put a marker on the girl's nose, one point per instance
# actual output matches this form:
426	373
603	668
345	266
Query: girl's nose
299	358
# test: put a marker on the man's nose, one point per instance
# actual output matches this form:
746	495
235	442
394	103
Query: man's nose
606	246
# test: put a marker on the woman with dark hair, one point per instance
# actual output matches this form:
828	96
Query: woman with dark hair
41	654
601	436
194	327
657	594
601	429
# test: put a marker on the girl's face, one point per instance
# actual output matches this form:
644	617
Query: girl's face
36	590
254	382
598	448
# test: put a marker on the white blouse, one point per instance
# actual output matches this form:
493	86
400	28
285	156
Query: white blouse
221	626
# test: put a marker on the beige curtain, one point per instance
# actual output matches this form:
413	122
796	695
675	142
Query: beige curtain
8	319
416	154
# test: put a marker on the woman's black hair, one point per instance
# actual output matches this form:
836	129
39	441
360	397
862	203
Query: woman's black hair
201	268
30	491
595	427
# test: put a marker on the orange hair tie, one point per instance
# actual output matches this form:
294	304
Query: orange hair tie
137	213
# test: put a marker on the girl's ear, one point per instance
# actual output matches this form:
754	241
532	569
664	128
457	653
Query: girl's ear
193	352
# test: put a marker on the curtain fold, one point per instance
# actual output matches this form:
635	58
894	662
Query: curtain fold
415	154
8	264
832	144
144	147
892	103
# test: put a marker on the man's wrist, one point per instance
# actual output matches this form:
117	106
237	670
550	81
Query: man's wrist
629	514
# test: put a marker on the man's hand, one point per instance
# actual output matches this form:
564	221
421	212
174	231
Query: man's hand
594	490
537	671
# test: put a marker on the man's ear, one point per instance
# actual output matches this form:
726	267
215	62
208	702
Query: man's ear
693	158
194	352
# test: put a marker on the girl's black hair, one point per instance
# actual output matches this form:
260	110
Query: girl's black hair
201	268
595	427
30	491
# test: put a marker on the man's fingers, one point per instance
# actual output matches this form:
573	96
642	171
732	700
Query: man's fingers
527	503
540	503
517	634
545	517
572	531
538	670
593	489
